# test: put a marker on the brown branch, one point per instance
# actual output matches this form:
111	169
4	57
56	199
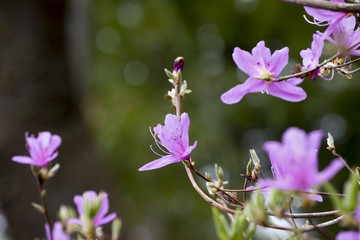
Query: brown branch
42	192
332	6
310	215
203	195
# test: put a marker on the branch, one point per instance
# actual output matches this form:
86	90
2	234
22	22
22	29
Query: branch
203	195
332	6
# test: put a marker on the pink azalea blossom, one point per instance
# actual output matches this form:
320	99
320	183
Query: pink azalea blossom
261	64
57	233
295	161
42	149
174	136
94	207
326	17
344	36
312	55
348	235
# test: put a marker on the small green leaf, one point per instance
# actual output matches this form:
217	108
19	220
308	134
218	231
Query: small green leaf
351	190
38	207
334	197
116	228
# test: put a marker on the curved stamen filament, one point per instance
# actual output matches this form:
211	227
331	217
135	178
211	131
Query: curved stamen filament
315	22
158	143
155	152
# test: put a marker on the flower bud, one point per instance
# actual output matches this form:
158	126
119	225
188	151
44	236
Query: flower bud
178	64
330	142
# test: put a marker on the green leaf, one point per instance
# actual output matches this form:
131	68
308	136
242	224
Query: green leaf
351	190
38	207
221	226
334	197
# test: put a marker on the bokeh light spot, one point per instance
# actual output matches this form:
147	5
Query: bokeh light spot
129	14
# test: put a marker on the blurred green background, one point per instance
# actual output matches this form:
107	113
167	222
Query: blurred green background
92	72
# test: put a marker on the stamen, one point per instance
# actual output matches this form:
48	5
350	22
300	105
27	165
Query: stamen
158	143
155	152
315	22
331	77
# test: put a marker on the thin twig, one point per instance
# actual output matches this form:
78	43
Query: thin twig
310	215
333	151
290	211
349	72
244	193
332	6
41	183
203	195
306	228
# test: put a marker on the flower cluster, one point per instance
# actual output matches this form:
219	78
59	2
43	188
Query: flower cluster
92	208
264	69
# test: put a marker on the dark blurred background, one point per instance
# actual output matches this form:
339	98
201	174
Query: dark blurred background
92	72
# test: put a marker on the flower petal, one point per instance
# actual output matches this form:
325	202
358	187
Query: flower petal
103	209
185	125
188	151
348	235
245	62
279	60
328	172
106	219
78	200
161	162
236	93
286	91
261	55
24	160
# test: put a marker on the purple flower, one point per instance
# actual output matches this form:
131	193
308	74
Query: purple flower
42	149
92	207
261	64
344	36
295	161
326	17
348	235
57	233
312	55
174	136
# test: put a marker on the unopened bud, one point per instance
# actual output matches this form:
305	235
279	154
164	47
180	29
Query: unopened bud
255	159
179	64
53	170
330	142
116	228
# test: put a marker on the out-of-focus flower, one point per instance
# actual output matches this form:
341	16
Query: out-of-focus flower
174	136
348	235
57	233
261	66
295	161
344	36
42	149
312	55
92	209
326	17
